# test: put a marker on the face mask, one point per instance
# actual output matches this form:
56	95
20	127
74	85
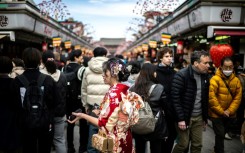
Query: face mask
227	72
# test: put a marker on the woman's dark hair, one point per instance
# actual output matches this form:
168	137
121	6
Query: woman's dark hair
31	57
145	79
18	62
135	69
74	53
162	52
6	65
113	63
49	62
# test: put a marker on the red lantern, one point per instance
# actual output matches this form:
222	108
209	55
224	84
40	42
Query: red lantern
44	46
180	47
219	51
153	53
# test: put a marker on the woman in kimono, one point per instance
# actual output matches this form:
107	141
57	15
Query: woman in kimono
116	115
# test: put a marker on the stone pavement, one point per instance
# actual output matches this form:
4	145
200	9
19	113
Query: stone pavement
231	146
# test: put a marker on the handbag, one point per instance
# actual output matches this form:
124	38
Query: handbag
102	142
146	123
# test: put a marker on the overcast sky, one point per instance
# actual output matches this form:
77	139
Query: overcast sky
105	18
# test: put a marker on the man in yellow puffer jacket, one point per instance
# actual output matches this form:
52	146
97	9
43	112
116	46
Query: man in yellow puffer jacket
225	93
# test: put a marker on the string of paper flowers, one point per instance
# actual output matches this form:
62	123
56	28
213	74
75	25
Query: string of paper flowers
53	8
155	7
135	24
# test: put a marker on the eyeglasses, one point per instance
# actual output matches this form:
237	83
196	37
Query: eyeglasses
227	67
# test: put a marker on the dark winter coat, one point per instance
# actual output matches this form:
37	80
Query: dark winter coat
165	75
73	102
10	134
61	83
183	94
50	93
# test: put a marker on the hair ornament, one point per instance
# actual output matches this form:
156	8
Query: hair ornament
116	67
50	59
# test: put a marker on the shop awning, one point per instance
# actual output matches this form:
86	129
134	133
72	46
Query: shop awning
7	33
229	33
225	30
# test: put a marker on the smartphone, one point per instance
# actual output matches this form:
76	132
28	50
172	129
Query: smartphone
72	117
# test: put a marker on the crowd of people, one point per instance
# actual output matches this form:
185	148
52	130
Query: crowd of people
42	99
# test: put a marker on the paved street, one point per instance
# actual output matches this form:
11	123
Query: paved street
231	146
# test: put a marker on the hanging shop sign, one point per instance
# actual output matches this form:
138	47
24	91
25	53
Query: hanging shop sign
77	47
180	26
145	47
166	38
46	30
219	51
4	20
226	15
67	44
153	44
139	49
8	21
215	15
56	41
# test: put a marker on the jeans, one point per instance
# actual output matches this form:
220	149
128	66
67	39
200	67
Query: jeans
59	137
92	130
219	127
193	133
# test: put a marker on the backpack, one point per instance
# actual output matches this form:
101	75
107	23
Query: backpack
74	78
146	123
36	113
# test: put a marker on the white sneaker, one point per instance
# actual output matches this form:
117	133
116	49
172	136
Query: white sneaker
227	136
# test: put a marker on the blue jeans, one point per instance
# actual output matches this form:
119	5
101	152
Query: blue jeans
92	130
59	137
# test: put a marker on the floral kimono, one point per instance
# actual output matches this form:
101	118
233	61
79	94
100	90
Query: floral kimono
118	112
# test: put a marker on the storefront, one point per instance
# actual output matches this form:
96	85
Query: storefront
21	26
198	22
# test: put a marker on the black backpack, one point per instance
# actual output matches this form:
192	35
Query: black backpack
35	110
73	83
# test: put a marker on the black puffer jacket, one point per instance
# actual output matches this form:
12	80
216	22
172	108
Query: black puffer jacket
184	94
